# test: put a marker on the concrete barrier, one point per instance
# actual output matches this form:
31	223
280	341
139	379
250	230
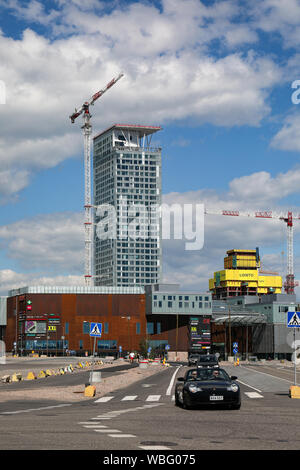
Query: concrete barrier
294	391
16	377
90	391
95	377
31	376
42	374
143	364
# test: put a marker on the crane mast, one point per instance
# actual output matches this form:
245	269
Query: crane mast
88	214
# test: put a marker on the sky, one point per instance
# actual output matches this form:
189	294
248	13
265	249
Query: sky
219	77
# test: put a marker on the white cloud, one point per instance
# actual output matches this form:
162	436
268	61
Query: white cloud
288	137
51	246
53	243
169	74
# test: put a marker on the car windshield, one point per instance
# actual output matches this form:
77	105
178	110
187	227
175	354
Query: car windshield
207	374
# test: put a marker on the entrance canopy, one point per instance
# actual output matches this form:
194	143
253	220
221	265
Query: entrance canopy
239	319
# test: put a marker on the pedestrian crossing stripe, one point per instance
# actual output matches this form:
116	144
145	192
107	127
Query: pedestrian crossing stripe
293	319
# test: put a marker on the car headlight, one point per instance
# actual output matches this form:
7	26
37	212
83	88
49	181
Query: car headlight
194	388
233	388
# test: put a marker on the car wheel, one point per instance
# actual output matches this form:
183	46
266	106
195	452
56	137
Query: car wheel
236	407
177	402
185	402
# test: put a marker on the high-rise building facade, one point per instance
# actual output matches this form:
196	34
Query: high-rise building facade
127	198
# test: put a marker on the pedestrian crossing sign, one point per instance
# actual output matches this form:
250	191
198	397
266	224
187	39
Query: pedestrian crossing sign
96	329
293	320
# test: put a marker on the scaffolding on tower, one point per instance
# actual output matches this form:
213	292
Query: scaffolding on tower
288	218
88	218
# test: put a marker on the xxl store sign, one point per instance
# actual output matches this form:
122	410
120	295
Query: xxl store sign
200	335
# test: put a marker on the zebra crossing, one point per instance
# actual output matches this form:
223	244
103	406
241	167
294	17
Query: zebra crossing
149	398
157	398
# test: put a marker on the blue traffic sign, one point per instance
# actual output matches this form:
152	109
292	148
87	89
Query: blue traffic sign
96	330
235	345
167	347
235	351
293	320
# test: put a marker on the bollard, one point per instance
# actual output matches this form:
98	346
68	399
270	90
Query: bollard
31	376
6	378
42	374
16	377
90	391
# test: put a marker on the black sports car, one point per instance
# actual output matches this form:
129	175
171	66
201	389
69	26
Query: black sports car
207	386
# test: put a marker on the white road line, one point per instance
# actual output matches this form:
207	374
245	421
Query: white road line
169	389
153	398
247	385
129	398
103	399
253	395
94	426
34	409
121	435
154	447
107	430
264	373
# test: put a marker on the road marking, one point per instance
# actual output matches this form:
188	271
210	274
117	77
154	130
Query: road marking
121	435
168	392
129	398
154	447
107	430
94	426
34	409
253	395
103	399
250	386
153	398
264	373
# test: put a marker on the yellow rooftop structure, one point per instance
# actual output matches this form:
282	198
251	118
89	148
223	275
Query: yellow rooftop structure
241	276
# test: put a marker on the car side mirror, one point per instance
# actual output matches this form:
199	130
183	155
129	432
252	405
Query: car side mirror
180	379
233	377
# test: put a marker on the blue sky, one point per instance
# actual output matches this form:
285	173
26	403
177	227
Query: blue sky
215	75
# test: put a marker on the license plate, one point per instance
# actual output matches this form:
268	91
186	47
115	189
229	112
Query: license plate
216	397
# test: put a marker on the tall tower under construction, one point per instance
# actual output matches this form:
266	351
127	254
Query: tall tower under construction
127	194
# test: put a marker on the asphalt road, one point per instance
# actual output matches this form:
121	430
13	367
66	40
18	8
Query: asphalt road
143	417
79	378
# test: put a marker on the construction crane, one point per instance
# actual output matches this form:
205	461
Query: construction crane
87	131
288	218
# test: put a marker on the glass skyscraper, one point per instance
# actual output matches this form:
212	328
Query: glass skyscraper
127	198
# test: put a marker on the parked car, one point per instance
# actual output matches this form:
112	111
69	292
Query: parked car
193	359
207	386
207	360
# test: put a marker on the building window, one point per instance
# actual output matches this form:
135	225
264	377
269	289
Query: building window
86	327
107	344
150	328
106	328
170	304
138	328
158	328
80	344
66	328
